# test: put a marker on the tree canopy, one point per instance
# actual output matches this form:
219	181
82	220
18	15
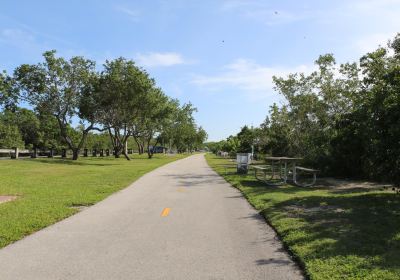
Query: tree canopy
343	119
72	105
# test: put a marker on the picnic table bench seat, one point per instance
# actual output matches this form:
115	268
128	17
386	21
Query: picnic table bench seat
227	166
265	169
306	170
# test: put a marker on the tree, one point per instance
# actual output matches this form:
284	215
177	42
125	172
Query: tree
154	116
182	131
277	132
49	132
201	137
8	98
214	147
315	103
27	123
121	91
247	139
231	145
343	119
10	136
57	87
98	141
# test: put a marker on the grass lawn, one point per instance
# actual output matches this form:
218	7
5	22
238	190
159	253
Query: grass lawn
49	190
334	234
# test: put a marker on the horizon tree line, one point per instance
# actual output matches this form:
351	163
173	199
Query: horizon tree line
342	119
121	100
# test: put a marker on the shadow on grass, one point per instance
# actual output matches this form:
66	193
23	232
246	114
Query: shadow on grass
93	162
366	225
353	190
336	231
259	187
344	223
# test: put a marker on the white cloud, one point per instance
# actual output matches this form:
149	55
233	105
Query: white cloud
154	59
371	42
247	77
374	5
16	35
132	14
380	20
21	39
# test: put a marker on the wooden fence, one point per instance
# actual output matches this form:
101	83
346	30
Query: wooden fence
16	153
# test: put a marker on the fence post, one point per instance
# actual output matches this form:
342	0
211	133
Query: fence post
102	152
107	152
85	152
63	153
94	152
16	151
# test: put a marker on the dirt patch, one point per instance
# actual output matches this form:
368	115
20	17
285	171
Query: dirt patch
350	185
296	210
7	198
79	208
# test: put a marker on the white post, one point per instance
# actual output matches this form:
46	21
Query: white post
16	152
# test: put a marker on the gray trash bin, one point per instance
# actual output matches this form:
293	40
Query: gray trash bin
243	160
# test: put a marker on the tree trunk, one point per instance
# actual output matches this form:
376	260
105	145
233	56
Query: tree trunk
149	153
139	145
117	152
75	154
126	155
126	149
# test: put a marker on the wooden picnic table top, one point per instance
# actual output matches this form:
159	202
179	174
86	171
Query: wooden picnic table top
258	166
283	158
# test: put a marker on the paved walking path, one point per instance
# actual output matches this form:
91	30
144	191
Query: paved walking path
181	221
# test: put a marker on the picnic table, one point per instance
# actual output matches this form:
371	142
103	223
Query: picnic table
286	168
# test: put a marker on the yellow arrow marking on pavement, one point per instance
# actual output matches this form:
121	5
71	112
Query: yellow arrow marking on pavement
181	189
165	212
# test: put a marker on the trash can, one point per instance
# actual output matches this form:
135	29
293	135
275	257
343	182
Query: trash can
243	160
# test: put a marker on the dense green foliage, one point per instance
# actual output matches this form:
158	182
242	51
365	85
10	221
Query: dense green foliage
244	142
347	233
73	104
343	119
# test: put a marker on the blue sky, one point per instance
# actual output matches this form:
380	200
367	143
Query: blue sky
219	55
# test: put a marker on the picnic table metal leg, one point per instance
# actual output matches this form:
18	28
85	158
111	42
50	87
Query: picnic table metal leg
294	172
272	170
285	172
304	185
255	175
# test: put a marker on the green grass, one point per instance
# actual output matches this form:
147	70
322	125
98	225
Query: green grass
333	234
49	189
